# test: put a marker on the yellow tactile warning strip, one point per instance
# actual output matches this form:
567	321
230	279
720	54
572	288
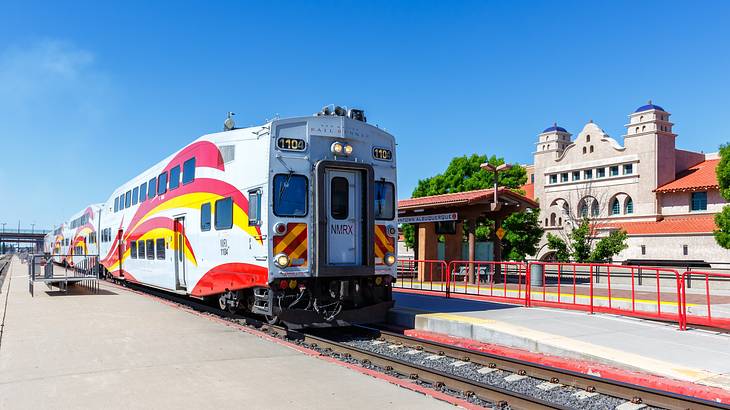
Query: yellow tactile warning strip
550	343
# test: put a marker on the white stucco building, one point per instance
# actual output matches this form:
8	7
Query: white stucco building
665	198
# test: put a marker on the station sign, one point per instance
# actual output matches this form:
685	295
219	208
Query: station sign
428	218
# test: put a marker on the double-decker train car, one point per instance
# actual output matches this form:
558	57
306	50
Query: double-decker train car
294	220
75	242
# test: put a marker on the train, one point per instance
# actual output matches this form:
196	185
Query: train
293	220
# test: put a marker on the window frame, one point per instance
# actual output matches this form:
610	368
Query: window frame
342	211
161	190
170	180
703	201
141	246
135	195
128	199
116	204
219	212
611	171
152	188
629	168
160	250
392	204
185	172
306	196
133	249
553	178
143	192
256	221
150	249
205	209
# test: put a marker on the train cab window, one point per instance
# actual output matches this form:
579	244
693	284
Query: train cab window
135	195
224	213
160	248
188	171
162	183
133	250
128	199
205	217
254	207
150	249
384	200
116	204
142	192
290	195
140	249
152	188
175	177
339	198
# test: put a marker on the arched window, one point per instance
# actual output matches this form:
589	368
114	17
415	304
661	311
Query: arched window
560	221
615	207
546	222
595	211
552	219
643	128
591	148
641	118
629	206
583	209
584	150
588	138
637	130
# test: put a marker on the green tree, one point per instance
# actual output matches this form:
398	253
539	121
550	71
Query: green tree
579	248
722	220
580	241
465	174
557	245
523	233
609	246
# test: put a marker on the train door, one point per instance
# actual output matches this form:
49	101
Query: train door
120	250
343	190
179	236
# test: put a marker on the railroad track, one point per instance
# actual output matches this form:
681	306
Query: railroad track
384	359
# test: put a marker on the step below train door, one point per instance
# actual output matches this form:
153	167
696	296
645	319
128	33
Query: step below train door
344	215
180	265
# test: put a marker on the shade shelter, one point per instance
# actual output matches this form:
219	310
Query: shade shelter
446	215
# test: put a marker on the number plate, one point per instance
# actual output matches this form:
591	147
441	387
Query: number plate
291	144
382	154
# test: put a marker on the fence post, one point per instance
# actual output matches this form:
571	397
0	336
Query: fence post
448	278
591	287
528	282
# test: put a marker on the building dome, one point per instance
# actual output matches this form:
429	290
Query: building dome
648	107
554	128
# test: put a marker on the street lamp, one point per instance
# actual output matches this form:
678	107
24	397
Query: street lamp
32	228
3	224
496	170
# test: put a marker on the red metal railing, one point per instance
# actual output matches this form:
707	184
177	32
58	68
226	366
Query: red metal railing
503	281
700	311
422	275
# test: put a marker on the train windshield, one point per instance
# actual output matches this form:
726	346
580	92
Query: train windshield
384	200
290	195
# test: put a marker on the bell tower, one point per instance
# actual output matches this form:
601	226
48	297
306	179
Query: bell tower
550	145
649	133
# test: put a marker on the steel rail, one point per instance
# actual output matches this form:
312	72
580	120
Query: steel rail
630	392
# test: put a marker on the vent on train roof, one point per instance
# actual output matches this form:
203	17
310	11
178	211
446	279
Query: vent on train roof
228	153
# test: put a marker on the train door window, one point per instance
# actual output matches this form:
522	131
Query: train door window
150	249
205	217
175	177
160	248
140	250
340	197
116	204
135	195
162	183
152	188
133	250
188	171
290	195
254	207
384	200
224	213
128	199
142	192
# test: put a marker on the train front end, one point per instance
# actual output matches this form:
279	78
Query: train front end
332	221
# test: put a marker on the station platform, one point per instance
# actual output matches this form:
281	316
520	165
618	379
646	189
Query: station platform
121	349
693	362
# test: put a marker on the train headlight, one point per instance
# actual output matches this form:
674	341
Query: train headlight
337	148
378	280
279	228
348	149
281	260
389	259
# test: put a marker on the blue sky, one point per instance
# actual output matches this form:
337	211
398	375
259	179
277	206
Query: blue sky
92	93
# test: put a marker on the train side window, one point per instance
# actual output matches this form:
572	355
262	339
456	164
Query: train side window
188	171
175	177
128	199
160	248
340	198
384	200
133	250
116	204
135	195
140	250
224	213
254	207
162	183
121	202
142	192
205	217
150	249
152	188
290	195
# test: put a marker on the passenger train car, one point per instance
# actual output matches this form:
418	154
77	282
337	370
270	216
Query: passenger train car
75	242
294	220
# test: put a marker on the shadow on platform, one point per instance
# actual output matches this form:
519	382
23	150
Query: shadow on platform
443	305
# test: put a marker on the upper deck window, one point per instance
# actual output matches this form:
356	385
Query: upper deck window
290	195
162	183
152	188
188	171
384	200
175	177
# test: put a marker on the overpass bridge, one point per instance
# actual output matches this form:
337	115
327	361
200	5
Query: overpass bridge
14	239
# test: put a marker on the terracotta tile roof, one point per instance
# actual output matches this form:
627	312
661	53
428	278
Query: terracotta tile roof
459	198
698	177
529	190
703	223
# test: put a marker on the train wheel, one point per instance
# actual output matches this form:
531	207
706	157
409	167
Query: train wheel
272	320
